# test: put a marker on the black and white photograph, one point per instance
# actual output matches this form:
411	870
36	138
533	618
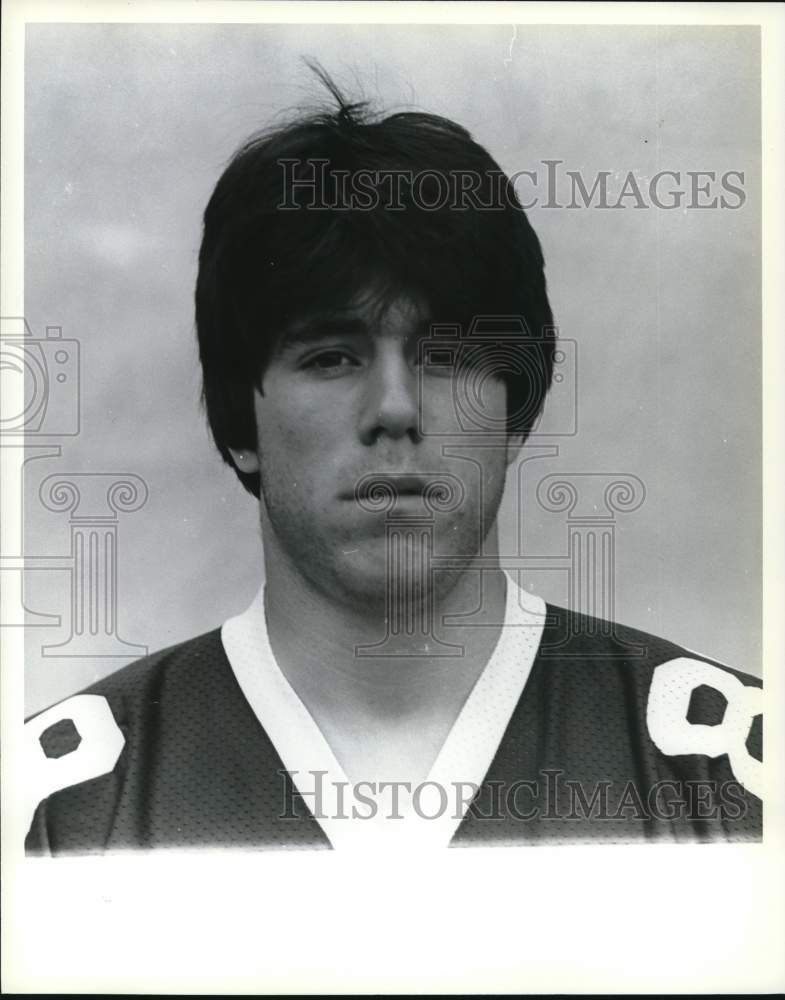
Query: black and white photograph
387	415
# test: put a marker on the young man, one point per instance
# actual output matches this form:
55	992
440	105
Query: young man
376	344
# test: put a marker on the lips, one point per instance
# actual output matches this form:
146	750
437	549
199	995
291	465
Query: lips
403	485
397	484
407	494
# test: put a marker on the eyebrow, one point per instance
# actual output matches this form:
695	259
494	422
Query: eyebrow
320	328
311	331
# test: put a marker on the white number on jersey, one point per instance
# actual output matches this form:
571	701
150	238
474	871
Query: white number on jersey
666	715
100	746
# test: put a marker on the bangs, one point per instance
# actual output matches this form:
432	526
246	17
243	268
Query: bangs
310	263
282	244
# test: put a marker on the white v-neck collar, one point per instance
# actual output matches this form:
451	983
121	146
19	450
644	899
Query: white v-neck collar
465	756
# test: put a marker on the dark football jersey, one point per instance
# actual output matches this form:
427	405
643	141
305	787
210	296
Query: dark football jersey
618	736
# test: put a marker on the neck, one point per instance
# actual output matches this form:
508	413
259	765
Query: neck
315	639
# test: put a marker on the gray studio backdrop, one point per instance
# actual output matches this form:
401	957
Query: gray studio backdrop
127	128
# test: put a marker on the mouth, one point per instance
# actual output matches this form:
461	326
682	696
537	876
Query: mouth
374	486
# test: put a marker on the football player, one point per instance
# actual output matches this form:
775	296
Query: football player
391	684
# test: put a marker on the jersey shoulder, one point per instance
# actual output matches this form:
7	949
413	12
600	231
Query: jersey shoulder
93	736
570	637
622	736
202	651
682	711
132	685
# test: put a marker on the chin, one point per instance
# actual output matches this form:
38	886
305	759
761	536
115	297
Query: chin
366	579
363	579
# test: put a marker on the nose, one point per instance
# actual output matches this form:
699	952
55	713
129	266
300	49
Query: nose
390	403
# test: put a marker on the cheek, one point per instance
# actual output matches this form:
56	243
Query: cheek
288	427
298	445
283	440
475	402
439	407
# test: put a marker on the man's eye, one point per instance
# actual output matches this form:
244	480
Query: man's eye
330	361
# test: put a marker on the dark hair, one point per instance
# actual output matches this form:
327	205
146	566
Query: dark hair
268	257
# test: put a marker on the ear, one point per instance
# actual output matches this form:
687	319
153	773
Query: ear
514	444
245	459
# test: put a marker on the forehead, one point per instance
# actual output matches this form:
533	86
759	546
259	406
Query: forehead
372	311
